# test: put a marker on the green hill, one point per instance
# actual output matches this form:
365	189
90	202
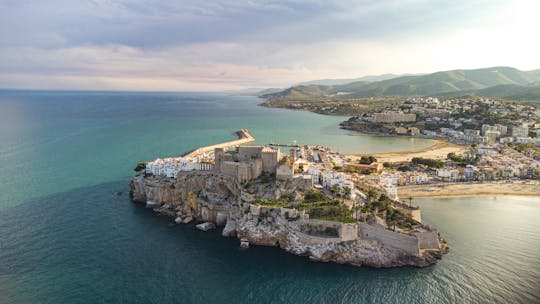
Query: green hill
495	81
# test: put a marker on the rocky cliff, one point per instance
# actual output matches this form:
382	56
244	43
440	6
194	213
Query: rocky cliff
212	197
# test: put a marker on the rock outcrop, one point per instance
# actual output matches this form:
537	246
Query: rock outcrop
211	197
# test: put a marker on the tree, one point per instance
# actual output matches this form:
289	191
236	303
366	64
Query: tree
431	163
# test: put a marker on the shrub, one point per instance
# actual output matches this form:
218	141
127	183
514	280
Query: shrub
313	196
388	165
367	160
431	163
404	168
140	166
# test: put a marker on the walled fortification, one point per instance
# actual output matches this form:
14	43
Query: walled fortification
407	243
202	196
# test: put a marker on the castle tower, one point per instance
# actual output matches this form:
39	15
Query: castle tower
292	155
218	159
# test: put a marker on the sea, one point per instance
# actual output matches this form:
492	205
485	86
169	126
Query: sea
69	233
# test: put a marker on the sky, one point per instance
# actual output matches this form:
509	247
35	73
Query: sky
194	45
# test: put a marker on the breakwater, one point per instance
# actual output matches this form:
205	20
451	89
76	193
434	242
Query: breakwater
244	137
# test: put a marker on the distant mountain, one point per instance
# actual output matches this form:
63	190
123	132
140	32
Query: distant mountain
500	81
332	82
254	91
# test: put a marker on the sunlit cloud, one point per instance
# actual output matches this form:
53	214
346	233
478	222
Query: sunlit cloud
218	45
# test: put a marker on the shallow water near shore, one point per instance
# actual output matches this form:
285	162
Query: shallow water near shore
69	234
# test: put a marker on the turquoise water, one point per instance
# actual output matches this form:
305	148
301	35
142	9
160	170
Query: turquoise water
67	237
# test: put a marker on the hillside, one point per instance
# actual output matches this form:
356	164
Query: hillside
504	82
331	82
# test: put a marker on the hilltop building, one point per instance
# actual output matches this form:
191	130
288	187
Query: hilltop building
247	162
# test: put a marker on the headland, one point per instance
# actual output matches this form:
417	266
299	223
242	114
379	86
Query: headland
299	201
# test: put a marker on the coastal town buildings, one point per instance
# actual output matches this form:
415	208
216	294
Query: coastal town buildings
471	120
392	117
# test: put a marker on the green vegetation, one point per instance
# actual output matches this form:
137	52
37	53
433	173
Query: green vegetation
313	196
458	159
404	168
271	203
382	207
502	82
316	205
339	213
388	165
429	162
140	166
367	160
328	210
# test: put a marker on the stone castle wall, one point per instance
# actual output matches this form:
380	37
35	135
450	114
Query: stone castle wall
428	240
407	243
270	161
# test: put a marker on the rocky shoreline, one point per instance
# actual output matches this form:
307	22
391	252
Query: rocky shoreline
210	197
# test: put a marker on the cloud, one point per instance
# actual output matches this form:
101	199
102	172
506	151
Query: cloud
215	45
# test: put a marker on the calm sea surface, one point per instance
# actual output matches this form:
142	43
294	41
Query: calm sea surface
67	237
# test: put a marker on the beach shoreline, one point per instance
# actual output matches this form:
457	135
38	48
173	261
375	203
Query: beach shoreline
438	150
450	190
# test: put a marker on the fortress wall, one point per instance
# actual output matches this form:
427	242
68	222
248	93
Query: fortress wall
256	168
428	240
244	173
284	172
415	214
348	232
229	168
270	161
407	243
247	153
315	240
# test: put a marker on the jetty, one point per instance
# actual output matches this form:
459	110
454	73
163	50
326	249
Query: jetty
244	137
284	145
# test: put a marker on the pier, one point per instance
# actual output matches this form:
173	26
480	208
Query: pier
244	137
284	145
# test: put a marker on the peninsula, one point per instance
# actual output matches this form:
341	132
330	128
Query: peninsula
300	201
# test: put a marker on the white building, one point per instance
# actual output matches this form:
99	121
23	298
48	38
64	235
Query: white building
448	174
170	167
520	131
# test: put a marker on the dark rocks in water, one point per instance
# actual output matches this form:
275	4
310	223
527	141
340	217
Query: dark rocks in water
119	193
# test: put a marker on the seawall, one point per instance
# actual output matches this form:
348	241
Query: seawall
244	137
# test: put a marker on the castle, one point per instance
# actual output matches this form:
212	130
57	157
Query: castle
249	162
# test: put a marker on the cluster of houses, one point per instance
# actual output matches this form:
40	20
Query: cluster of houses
458	120
495	162
170	167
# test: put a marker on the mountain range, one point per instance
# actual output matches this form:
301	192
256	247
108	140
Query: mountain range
501	82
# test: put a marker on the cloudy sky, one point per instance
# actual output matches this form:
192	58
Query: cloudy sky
197	45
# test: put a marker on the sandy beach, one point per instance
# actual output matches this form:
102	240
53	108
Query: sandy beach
439	150
525	188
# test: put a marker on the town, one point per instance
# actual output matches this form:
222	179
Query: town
460	120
